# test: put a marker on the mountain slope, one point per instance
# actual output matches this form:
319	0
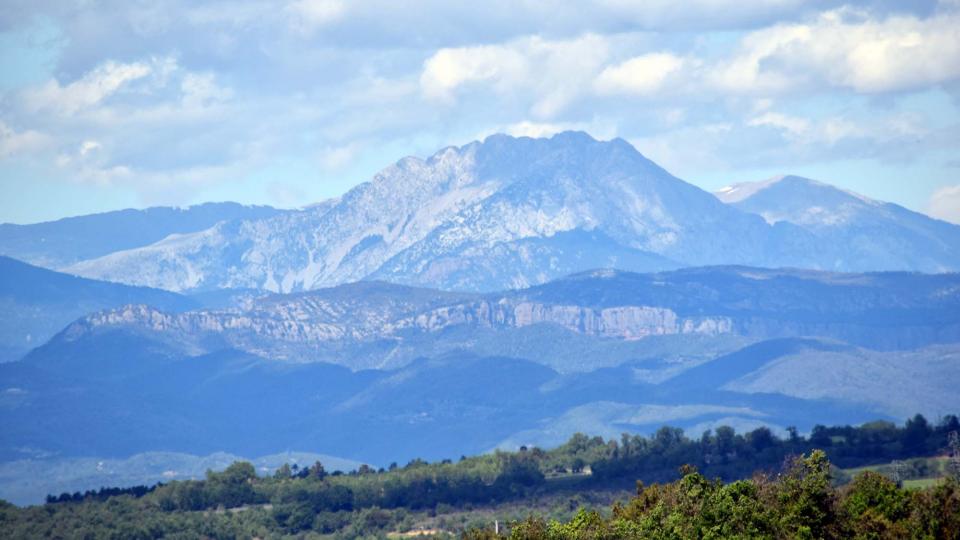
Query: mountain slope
56	244
505	203
896	383
853	233
379	325
138	400
36	303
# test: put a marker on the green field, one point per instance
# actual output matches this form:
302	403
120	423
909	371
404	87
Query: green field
916	473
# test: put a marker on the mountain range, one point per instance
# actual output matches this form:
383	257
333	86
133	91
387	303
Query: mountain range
376	325
375	371
36	303
507	292
513	212
57	244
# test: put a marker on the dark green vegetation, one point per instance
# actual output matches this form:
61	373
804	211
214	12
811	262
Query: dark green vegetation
792	500
798	503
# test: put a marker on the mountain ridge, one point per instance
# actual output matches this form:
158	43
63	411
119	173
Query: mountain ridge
59	243
852	229
37	303
421	220
382	325
511	212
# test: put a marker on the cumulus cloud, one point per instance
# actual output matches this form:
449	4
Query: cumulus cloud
551	73
847	49
645	74
449	69
844	49
945	204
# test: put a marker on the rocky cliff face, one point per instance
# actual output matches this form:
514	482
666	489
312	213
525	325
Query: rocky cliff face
624	322
366	324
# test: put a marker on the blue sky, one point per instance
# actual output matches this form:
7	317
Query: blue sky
105	105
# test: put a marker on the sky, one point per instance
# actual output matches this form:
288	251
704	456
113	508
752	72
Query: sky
115	104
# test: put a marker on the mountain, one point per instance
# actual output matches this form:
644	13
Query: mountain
36	303
117	401
604	352
503	213
512	212
133	400
56	244
852	232
380	325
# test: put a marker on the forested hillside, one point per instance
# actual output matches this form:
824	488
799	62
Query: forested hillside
787	496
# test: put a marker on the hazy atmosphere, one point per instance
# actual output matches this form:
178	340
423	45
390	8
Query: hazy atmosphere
552	270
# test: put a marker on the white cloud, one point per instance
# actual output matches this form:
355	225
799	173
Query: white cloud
645	74
89	164
201	90
793	125
832	130
333	158
844	49
14	143
448	69
201	87
95	86
841	49
307	16
527	128
945	204
89	146
551	74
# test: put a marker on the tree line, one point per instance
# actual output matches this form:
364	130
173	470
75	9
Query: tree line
294	499
801	502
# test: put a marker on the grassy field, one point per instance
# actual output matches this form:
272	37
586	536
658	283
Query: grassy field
916	473
921	483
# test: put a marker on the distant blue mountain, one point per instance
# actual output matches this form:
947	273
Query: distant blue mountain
579	323
472	370
36	303
56	244
851	232
511	212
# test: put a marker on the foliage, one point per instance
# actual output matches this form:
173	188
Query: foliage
800	503
789	497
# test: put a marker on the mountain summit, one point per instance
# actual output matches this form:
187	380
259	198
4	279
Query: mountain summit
511	212
852	231
505	212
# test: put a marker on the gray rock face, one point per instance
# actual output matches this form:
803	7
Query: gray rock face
515	212
498	214
372	324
